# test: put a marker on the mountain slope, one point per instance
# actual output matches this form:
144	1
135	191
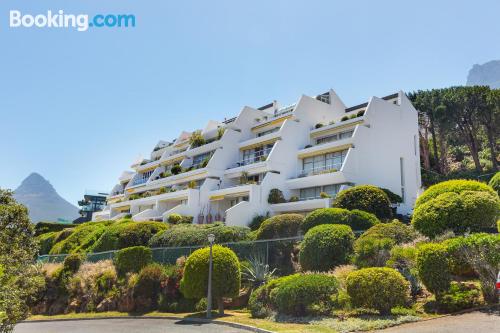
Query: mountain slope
487	74
42	200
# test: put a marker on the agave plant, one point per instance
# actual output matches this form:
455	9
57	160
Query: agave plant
256	272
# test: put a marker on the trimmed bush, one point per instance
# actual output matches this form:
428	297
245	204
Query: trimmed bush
404	260
127	234
372	251
226	275
454	186
377	288
356	219
460	296
432	266
45	227
325	247
46	242
373	247
305	294
459	212
72	263
495	182
395	230
458	265
80	239
257	221
259	303
393	197
148	285
174	218
197	234
326	216
132	259
275	196
368	198
279	226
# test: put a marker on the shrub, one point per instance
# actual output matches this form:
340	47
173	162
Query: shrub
45	227
460	296
361	220
194	234
432	266
80	238
148	285
356	219
257	221
226	275
46	242
454	186
394	230
365	197
72	262
127	234
393	197
482	252
344	118
326	246
495	182
325	216
176	169
377	288
275	196
404	260
372	251
305	294
458	265
460	212
294	198
373	247
498	225
132	259
174	218
63	234
284	225
318	125
259	302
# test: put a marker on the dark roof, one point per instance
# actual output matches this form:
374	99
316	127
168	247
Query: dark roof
362	105
267	106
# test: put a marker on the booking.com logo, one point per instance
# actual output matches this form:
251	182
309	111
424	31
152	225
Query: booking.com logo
80	22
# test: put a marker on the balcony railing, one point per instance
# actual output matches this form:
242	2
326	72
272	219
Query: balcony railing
329	168
258	156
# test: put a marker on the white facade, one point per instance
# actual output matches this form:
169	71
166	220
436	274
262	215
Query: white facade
304	149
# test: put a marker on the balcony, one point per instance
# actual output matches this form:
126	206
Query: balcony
320	170
257	157
318	177
281	114
260	140
327	147
303	205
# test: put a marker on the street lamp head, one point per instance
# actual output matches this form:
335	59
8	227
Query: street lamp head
211	238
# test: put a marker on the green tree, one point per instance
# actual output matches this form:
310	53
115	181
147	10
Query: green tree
20	279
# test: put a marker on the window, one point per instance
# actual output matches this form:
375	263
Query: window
315	192
237	200
401	170
335	137
257	154
315	164
199	159
272	130
325	98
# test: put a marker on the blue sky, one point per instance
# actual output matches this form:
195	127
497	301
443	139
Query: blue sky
79	107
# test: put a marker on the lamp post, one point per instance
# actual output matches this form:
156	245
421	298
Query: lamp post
211	239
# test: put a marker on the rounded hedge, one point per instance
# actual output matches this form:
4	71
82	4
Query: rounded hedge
195	234
259	303
368	198
495	182
127	234
356	219
80	239
305	294
326	246
226	275
148	283
455	186
279	226
73	262
132	259
433	268
378	288
46	242
459	212
395	230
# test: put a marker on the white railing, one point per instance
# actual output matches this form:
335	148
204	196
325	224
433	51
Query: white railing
258	156
329	168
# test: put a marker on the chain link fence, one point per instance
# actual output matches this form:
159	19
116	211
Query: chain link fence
277	252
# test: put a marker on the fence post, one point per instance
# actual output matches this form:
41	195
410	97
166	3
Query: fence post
267	252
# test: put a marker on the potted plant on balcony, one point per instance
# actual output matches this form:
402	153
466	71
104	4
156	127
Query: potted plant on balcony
324	195
344	118
220	132
244	177
176	169
293	198
192	184
196	139
275	196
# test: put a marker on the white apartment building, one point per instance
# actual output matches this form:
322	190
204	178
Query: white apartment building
315	146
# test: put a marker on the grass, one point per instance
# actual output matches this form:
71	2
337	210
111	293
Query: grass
321	325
